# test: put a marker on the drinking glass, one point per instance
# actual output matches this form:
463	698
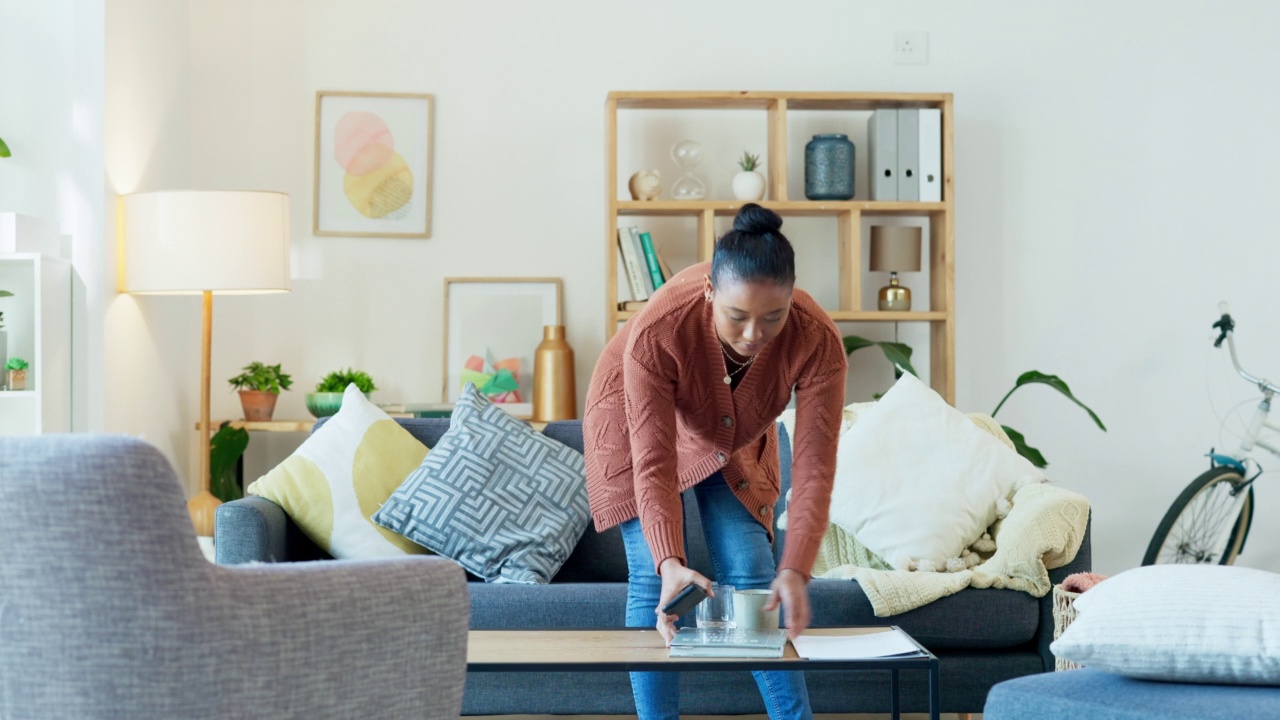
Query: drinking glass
716	612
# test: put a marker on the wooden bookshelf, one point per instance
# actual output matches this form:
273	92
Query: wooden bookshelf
940	315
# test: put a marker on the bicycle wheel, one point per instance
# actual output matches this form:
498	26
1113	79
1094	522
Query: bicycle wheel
1206	524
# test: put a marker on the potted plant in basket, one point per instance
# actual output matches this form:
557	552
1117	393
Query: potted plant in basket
260	387
327	398
748	184
16	369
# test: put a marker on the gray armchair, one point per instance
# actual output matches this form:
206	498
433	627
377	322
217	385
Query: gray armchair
109	610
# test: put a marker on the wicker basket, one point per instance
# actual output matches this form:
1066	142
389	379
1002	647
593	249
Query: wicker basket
1064	611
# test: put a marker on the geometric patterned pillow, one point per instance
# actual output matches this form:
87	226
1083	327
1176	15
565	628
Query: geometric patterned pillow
496	496
341	474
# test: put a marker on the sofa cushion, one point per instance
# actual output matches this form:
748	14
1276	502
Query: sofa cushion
917	482
973	618
1099	695
506	502
1188	623
339	477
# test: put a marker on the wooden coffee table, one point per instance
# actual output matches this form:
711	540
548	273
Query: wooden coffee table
634	649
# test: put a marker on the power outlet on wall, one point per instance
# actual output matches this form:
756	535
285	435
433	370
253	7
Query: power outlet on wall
911	48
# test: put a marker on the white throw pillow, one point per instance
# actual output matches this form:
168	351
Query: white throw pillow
1184	623
917	481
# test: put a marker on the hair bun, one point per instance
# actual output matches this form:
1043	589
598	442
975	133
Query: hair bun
757	220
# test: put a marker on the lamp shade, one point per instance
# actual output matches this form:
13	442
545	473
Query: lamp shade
192	241
895	248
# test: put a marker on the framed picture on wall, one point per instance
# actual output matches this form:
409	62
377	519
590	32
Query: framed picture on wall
491	328
373	164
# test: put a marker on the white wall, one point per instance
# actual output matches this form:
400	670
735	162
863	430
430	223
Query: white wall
153	342
51	118
1113	165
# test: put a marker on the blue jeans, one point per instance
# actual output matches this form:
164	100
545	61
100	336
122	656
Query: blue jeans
743	558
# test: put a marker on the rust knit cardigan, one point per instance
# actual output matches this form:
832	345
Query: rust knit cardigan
659	419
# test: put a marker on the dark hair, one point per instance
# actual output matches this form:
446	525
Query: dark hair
754	250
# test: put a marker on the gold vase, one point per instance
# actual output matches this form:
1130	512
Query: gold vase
554	395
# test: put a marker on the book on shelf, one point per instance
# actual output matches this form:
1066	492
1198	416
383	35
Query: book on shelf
663	266
930	155
728	642
882	136
651	259
632	305
633	261
909	155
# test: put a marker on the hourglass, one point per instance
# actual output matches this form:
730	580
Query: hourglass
687	155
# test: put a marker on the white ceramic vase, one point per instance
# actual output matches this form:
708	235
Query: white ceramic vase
748	185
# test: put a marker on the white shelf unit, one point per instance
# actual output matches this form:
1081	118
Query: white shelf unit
37	323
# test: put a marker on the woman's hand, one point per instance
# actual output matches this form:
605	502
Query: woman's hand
675	576
792	590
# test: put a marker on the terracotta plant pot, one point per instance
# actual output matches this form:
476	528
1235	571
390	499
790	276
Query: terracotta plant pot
258	405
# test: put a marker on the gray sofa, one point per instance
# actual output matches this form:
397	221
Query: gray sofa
981	637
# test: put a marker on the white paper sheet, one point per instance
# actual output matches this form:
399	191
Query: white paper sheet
889	643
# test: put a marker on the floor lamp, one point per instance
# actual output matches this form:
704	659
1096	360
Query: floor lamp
197	242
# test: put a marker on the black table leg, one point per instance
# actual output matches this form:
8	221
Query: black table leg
894	708
935	691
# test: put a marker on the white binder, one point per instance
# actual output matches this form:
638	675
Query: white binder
931	155
909	155
882	136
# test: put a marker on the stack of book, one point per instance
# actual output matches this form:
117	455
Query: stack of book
728	642
642	265
906	155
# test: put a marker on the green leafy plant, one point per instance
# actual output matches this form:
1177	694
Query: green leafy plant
898	354
225	448
264	378
1032	377
748	162
338	380
4	149
16	363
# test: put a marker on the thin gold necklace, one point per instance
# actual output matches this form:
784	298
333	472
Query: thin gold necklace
728	376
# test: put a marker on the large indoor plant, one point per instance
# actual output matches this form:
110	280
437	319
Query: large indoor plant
900	355
260	387
326	400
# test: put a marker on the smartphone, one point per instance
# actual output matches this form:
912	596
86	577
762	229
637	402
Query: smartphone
682	603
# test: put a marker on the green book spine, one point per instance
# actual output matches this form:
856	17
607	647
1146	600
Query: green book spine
651	259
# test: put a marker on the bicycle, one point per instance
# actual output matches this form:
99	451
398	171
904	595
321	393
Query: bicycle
1210	519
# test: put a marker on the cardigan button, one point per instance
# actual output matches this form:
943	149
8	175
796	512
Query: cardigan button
764	510
726	421
742	485
721	456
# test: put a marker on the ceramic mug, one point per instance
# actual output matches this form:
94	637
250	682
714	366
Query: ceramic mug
749	612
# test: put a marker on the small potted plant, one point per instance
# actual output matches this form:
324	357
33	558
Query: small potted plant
16	369
260	387
748	184
327	398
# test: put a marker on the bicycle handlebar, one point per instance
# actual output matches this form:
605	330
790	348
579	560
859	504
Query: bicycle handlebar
1226	327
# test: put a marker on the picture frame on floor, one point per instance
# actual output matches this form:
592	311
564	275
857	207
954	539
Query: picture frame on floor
373	158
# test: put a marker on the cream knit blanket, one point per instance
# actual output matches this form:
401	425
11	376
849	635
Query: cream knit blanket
1043	530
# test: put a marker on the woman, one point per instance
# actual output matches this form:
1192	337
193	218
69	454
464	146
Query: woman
685	397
